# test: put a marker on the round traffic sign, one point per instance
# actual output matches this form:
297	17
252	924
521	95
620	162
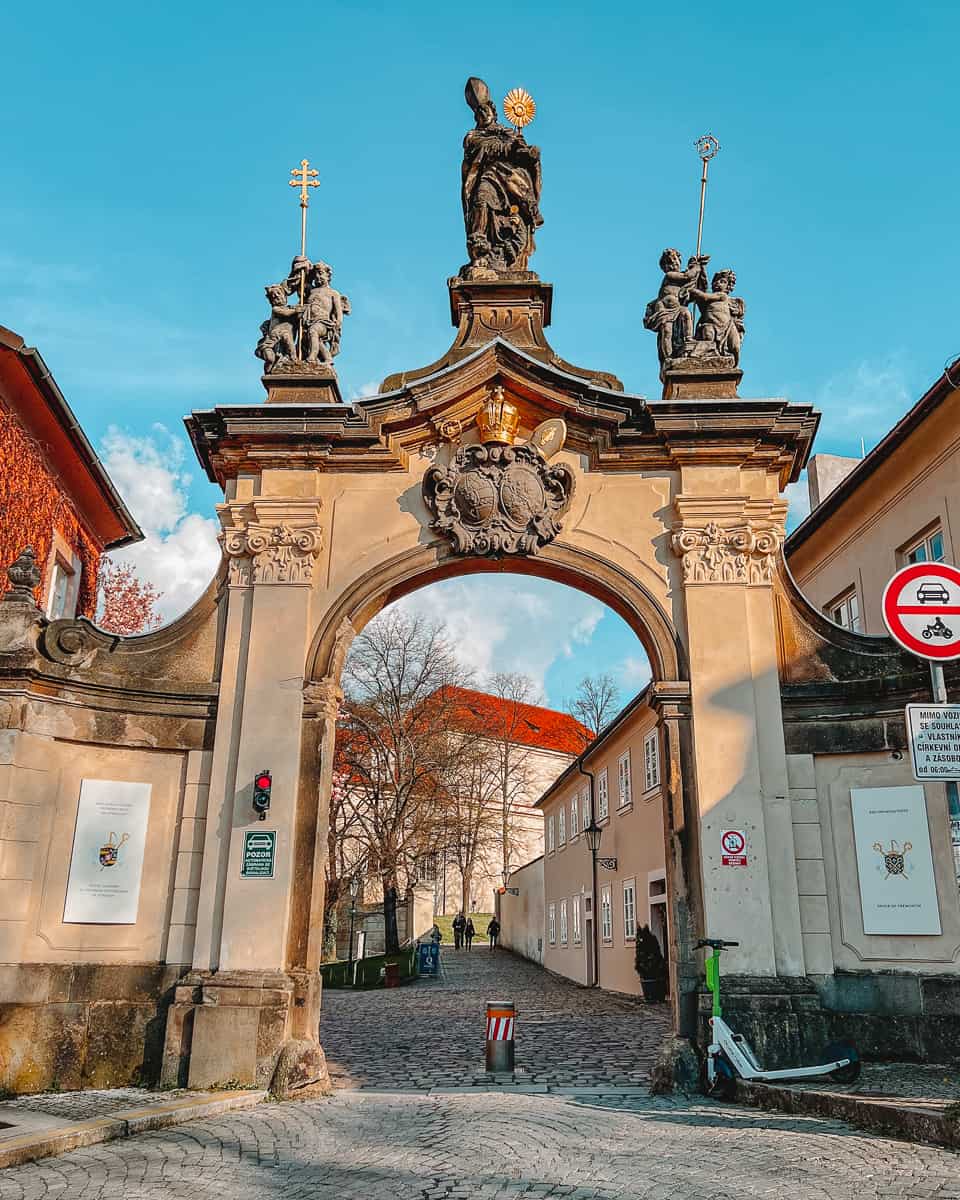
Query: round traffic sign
921	609
733	841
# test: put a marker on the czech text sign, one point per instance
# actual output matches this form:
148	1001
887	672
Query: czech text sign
108	847
921	609
934	731
259	853
733	843
898	891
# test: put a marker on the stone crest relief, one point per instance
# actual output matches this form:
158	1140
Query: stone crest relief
498	499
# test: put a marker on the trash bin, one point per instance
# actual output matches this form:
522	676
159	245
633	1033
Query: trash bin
391	974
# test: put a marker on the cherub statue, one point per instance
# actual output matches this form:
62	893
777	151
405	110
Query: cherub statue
720	327
668	315
278	333
323	316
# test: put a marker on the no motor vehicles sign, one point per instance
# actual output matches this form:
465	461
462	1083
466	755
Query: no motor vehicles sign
921	609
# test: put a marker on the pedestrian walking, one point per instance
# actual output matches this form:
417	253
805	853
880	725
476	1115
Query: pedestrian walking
459	922
435	935
493	932
469	933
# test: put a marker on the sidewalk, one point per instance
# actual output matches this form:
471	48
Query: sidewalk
33	1127
905	1100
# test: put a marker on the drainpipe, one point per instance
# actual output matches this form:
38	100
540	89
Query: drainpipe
594	915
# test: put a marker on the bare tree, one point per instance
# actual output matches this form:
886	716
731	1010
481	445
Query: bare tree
513	758
596	703
399	746
473	821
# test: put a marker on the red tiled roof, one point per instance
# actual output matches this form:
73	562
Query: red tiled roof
526	724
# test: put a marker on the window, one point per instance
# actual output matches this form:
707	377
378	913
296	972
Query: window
630	909
585	808
845	611
651	761
427	868
577	928
606	914
562	826
574	817
551	845
927	548
563	922
623	777
64	590
552	924
602	802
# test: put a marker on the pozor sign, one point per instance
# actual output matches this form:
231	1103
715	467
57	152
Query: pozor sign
921	609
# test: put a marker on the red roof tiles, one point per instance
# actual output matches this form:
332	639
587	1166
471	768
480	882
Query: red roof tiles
525	724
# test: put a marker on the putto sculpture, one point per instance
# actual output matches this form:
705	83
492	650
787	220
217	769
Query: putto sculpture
500	186
719	330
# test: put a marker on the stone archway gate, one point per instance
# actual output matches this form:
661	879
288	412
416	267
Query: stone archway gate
672	515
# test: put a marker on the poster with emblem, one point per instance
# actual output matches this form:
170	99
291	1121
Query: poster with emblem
108	847
898	890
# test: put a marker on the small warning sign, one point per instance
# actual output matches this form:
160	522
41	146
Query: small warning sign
259	852
733	845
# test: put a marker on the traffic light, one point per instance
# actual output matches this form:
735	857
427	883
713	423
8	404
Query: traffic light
261	794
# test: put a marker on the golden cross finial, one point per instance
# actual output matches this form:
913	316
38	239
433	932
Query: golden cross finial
304	178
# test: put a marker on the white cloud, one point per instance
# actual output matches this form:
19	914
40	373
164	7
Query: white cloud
179	554
798	498
863	401
502	623
365	390
634	673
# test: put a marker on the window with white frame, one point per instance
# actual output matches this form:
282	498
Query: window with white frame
630	909
927	547
651	761
625	794
585	808
551	843
552	924
606	913
603	804
574	817
562	826
563	922
845	611
577	927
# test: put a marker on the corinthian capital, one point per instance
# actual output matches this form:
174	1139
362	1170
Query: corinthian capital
267	541
713	553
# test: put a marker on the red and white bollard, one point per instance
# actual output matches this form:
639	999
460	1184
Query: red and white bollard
501	1018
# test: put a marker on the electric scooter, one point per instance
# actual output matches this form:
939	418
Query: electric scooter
730	1055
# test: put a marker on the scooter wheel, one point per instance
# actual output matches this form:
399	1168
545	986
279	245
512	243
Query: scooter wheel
725	1081
851	1072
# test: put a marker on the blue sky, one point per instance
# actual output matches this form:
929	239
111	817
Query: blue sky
144	201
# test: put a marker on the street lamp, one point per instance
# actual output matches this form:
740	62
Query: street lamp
505	875
593	833
354	893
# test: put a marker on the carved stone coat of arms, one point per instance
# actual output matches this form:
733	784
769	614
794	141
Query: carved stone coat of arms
497	499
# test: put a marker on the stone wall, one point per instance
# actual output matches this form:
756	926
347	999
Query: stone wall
521	917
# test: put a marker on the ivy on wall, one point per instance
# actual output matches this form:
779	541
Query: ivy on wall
33	505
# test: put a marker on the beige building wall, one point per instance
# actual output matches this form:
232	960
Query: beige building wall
521	916
632	833
904	496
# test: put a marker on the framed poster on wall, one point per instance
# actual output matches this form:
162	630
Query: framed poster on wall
108	847
898	890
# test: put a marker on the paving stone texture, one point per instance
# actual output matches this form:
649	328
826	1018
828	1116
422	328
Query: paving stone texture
91	1105
431	1034
369	1144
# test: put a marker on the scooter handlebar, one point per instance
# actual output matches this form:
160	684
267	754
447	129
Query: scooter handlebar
714	944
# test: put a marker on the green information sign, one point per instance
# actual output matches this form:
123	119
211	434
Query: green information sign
259	852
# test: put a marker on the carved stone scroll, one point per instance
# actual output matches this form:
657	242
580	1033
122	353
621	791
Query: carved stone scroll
727	554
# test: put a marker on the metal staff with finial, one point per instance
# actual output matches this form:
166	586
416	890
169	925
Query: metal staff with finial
707	148
303	178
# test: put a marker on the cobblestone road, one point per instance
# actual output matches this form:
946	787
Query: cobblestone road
432	1034
371	1144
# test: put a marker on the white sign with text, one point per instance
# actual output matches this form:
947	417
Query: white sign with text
898	891
934	731
108	848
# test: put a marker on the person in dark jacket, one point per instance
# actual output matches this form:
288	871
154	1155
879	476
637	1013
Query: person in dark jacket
459	921
493	932
469	933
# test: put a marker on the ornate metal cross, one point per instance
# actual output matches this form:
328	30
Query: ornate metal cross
304	178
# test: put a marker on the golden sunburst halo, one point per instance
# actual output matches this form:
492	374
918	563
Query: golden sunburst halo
519	107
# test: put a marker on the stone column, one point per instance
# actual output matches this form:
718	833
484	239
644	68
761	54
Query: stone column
240	995
728	547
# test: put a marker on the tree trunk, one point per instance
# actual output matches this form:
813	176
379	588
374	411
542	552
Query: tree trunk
391	937
467	880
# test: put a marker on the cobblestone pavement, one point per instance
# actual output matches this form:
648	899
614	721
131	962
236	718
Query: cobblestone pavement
487	1146
431	1034
90	1105
927	1084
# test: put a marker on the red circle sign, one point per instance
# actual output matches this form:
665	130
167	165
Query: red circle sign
921	609
733	841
